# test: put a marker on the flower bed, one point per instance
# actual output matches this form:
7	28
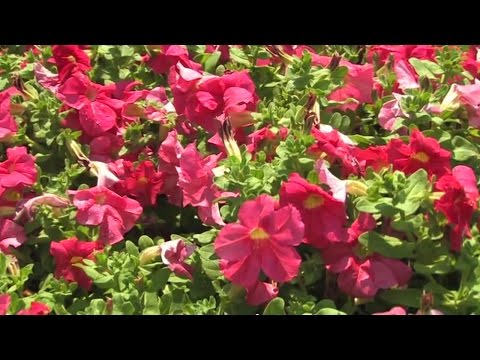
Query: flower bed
215	179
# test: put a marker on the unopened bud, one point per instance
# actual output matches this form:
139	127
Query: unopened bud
451	101
228	140
355	187
334	62
436	195
149	254
76	150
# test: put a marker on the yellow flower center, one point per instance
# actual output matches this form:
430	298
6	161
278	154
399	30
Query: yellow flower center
100	199
422	157
142	180
12	195
76	259
259	235
313	201
71	58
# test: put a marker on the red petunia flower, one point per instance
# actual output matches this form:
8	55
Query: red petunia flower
64	55
458	203
263	240
422	153
373	156
100	206
196	181
170	55
323	215
335	147
469	95
69	252
267	140
18	170
142	182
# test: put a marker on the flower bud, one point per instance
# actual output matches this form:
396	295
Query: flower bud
149	254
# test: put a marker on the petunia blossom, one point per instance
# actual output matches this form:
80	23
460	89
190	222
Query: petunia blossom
174	253
459	201
101	206
264	240
69	252
421	153
323	215
18	170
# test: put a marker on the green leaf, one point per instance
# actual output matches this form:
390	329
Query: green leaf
3	263
329	311
151	304
159	279
386	245
463	149
426	68
410	198
131	248
144	242
275	307
383	205
105	282
406	297
206	237
239	56
212	61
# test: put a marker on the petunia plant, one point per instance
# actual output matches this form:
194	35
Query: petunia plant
239	179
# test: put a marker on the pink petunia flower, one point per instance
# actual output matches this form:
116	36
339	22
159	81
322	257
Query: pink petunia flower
263	240
174	253
11	234
36	308
458	203
5	301
169	154
359	275
261	293
18	170
8	125
101	206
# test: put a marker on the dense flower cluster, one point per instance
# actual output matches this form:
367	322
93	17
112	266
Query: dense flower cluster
228	179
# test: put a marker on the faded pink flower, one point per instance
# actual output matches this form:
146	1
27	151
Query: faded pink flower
174	253
100	206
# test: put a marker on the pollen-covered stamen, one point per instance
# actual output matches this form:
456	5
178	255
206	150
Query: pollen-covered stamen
313	201
259	236
421	156
91	93
142	180
76	259
100	199
12	195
